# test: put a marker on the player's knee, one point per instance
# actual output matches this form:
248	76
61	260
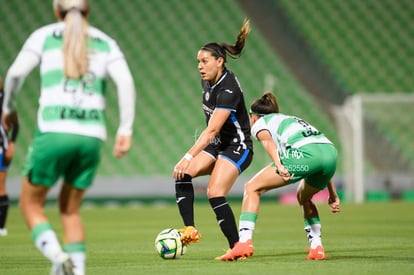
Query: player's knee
250	188
215	192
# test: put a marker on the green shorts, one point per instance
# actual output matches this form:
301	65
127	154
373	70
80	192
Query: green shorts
316	163
54	155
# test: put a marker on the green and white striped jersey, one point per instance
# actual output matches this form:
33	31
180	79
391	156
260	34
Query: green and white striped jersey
72	105
288	131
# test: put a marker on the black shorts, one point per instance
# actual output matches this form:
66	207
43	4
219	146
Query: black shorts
241	158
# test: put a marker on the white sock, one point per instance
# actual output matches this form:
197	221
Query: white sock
48	245
77	253
313	232
78	260
246	231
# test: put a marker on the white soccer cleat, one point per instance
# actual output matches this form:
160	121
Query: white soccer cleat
63	266
3	232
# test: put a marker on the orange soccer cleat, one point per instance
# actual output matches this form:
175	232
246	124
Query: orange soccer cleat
239	251
189	234
317	253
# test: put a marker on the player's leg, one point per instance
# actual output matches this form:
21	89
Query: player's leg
70	199
80	169
201	164
4	202
221	181
321	160
230	164
4	199
312	221
263	181
32	199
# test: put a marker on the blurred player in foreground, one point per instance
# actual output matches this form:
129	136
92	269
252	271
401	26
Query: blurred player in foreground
75	60
7	143
224	149
300	153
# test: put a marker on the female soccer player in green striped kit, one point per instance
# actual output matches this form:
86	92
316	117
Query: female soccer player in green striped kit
75	59
300	153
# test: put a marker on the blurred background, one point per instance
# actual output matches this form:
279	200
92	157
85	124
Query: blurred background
345	66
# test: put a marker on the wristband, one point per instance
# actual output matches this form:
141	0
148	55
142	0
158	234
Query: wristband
188	156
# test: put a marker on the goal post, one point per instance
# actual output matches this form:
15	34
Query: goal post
349	124
376	133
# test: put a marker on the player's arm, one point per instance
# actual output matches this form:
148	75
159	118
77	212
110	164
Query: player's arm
333	200
24	63
12	142
226	102
270	146
216	122
12	134
121	75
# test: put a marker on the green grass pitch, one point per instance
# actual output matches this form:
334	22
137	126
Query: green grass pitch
371	238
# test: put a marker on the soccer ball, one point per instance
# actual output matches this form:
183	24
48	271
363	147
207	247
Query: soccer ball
168	244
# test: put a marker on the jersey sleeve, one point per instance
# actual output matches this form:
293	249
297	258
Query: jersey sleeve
259	126
121	75
34	43
228	99
115	52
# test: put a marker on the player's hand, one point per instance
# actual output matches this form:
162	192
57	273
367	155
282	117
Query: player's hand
9	120
284	173
122	145
10	151
334	203
180	168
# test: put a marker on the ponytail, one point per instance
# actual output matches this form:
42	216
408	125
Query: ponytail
233	50
267	104
75	44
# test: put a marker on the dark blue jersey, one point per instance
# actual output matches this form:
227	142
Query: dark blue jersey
227	94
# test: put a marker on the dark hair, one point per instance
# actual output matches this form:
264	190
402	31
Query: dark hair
267	104
234	51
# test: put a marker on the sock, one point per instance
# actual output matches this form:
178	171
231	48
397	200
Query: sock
225	219
46	241
313	231
247	223
4	207
77	253
184	193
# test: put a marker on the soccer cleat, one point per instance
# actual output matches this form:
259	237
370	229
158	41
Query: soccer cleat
317	253
63	266
3	232
239	251
189	234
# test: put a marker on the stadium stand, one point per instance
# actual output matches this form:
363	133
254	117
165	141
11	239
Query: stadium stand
161	39
366	43
361	47
366	46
